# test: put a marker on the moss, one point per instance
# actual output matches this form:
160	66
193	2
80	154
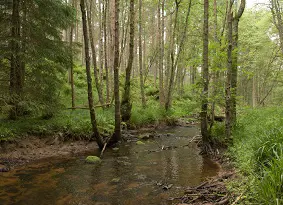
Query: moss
92	159
140	143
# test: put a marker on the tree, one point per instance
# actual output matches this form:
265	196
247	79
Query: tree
33	50
277	19
232	64
117	133
175	54
205	76
160	16
71	72
141	55
234	73
17	70
126	105
93	50
89	80
228	110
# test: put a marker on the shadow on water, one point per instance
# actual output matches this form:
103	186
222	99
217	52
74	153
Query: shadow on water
135	174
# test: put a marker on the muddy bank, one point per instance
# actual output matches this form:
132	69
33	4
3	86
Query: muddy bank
32	148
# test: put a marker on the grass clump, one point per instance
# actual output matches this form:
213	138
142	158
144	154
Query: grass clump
270	184
257	152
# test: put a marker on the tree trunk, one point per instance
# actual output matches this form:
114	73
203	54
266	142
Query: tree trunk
160	38
71	72
234	77
93	51
205	76
105	8
172	56
215	74
96	134
16	72
101	53
117	133
126	105
175	57
140	55
228	113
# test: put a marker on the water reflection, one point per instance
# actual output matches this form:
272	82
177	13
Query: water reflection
132	175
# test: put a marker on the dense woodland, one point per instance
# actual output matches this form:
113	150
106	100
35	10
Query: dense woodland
90	69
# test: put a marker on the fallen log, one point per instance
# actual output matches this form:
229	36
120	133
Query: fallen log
87	108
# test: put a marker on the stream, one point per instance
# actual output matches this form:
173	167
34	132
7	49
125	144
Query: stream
134	174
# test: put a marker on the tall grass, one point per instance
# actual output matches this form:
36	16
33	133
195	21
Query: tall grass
257	151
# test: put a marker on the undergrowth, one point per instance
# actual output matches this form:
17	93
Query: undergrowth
76	123
257	152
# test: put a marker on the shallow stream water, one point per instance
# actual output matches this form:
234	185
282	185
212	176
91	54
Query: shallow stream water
133	175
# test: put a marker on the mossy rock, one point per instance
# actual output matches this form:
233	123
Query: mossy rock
92	159
140	143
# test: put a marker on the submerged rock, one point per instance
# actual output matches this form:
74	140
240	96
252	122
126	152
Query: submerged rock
116	180
140	143
92	160
123	163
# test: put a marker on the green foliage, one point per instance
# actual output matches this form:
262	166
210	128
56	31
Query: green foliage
44	55
218	133
257	152
150	114
271	147
270	185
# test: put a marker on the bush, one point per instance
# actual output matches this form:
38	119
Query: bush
147	115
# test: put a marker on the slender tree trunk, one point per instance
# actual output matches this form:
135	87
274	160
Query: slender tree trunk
126	105
228	113
16	72
205	76
175	57
140	55
168	57
95	131
172	56
71	71
105	8
101	53
234	73
93	50
160	17
117	133
216	64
